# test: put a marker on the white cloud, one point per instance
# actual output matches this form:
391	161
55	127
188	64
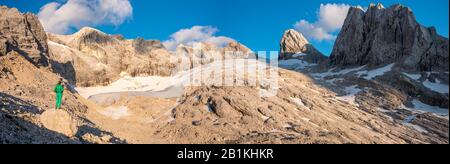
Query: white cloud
73	14
330	17
313	31
196	34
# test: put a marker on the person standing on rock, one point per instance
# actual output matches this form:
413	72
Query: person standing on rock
59	89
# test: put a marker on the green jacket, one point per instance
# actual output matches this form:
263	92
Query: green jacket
59	89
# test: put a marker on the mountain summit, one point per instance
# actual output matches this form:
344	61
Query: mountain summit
387	35
293	43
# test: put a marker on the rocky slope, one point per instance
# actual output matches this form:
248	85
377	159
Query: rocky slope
26	97
301	111
385	35
294	45
24	34
383	60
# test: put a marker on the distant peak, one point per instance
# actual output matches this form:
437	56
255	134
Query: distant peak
294	34
377	6
380	6
88	30
290	31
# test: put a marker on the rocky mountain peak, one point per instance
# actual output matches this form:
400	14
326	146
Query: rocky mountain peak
87	35
383	36
87	30
294	42
24	34
377	6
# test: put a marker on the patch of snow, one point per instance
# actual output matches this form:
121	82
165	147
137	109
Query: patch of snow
369	75
350	95
127	84
299	55
415	77
437	87
265	118
306	119
295	64
419	106
409	119
287	126
389	118
332	81
299	103
346	71
115	112
124	74
383	110
331	73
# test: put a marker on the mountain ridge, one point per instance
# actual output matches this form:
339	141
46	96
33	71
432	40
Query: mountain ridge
387	35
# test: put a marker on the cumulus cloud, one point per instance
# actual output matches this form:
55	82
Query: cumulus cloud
196	34
62	18
330	18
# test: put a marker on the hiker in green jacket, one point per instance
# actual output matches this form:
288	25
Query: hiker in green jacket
59	89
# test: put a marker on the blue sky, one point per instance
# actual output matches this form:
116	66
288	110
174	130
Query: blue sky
259	24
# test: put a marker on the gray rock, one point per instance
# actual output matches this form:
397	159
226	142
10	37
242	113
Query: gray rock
381	36
142	46
23	33
293	42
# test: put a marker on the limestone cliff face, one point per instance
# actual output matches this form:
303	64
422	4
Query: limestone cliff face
24	34
91	57
386	35
294	42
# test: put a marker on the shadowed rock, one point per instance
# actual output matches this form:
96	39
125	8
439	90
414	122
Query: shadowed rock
386	35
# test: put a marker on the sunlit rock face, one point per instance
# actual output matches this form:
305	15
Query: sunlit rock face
293	43
23	33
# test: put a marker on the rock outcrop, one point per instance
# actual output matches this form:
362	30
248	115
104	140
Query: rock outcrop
385	35
24	34
293	43
142	46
